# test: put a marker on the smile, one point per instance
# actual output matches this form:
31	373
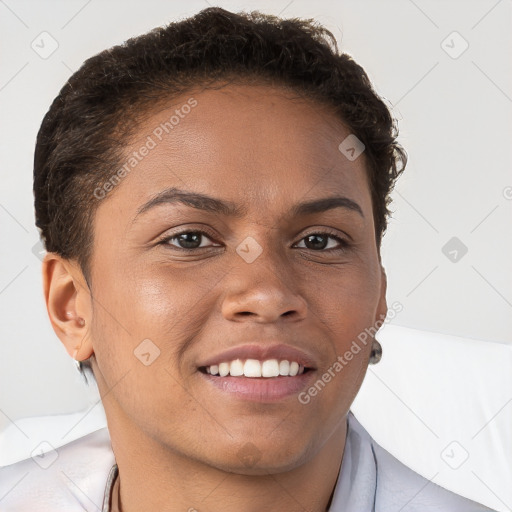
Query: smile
253	368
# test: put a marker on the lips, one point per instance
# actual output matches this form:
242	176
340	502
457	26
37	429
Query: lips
259	373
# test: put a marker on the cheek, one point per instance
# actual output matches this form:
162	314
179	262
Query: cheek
346	317
345	312
346	298
137	344
153	309
142	297
171	305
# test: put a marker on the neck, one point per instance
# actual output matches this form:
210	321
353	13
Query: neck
154	478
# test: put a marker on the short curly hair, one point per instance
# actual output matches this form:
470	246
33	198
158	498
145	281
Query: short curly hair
81	139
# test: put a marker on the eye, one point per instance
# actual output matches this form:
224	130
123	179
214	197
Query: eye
320	242
195	239
188	240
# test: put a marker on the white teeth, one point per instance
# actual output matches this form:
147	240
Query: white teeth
254	368
237	368
223	369
284	368
270	368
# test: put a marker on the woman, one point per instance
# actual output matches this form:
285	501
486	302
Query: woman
212	196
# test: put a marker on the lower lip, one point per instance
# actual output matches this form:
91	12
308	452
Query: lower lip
261	389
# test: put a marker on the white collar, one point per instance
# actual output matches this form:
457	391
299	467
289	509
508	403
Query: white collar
372	480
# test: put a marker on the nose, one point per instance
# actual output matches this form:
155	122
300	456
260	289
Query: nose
263	291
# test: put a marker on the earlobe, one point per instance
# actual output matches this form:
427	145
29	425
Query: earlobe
67	300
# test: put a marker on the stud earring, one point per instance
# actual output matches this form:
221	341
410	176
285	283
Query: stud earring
376	353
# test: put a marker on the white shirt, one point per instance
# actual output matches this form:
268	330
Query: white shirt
80	478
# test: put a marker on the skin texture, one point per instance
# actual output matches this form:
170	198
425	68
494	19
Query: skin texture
179	441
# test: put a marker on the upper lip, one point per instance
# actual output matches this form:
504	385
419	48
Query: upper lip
262	352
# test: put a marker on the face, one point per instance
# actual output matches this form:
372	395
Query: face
183	284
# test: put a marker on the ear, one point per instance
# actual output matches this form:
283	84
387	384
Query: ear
68	302
382	308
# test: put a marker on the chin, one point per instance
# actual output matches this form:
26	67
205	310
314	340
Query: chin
262	467
263	457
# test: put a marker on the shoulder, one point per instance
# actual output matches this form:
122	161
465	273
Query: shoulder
68	478
397	487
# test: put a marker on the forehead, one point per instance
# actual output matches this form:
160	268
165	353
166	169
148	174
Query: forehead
260	145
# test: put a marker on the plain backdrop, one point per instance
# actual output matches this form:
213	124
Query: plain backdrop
444	68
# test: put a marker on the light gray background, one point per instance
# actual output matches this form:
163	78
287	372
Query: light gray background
455	122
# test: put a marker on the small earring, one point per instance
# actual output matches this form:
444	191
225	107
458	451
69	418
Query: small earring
376	353
79	366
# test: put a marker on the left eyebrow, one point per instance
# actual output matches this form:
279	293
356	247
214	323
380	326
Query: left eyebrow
228	208
324	204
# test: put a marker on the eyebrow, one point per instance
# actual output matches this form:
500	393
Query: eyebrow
228	208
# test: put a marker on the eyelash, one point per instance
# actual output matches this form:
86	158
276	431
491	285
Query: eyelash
343	244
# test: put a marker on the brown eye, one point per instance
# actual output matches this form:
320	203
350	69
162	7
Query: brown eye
188	240
320	242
